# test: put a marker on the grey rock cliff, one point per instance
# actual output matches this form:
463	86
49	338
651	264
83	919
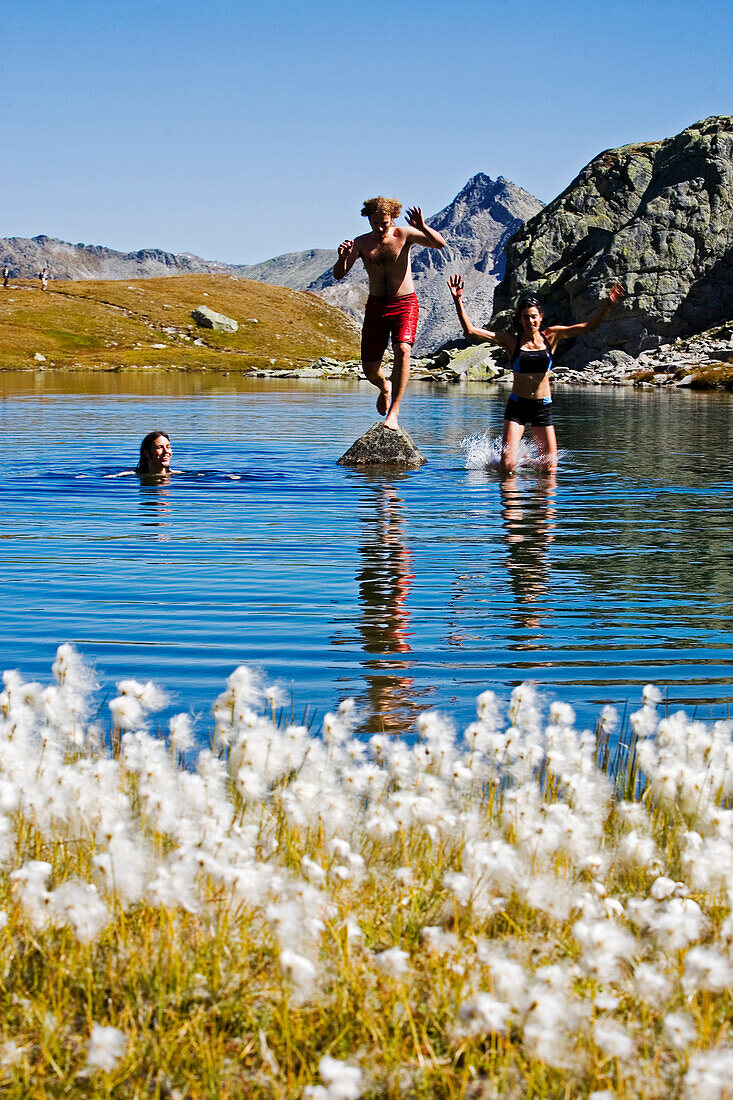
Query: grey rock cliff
476	225
658	217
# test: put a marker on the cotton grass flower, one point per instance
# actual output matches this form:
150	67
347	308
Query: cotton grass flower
78	905
135	700
706	969
484	1015
651	986
550	1026
709	1074
341	1080
181	732
394	962
613	1040
680	1030
299	971
604	945
106	1048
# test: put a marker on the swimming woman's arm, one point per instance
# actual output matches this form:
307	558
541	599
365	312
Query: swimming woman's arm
456	286
565	332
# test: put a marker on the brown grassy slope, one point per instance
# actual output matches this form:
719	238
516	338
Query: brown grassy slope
114	324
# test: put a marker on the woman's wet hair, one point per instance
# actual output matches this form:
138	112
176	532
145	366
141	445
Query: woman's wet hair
526	299
143	466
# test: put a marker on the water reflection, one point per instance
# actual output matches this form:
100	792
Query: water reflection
385	579
528	515
155	503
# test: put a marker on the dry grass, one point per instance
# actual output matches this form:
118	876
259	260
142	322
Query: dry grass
713	376
111	325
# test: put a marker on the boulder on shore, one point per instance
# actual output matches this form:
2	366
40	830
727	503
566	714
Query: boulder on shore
207	318
381	446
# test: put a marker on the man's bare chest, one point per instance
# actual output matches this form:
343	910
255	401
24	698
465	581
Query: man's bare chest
384	254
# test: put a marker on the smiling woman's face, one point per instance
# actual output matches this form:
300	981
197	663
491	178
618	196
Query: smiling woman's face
531	318
161	452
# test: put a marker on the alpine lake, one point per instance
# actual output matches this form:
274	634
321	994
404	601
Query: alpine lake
403	590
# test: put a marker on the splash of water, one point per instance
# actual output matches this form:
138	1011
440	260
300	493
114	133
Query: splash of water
483	450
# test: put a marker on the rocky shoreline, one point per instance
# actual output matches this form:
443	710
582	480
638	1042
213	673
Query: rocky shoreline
704	361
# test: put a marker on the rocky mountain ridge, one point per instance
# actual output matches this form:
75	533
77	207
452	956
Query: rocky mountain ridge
26	256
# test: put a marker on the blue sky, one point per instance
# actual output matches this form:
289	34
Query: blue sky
239	131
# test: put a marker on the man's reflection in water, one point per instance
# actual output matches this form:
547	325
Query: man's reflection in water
385	579
155	503
529	522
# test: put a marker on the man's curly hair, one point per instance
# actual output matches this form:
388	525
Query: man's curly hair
391	207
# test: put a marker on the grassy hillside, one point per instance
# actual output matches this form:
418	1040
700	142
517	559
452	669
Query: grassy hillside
147	323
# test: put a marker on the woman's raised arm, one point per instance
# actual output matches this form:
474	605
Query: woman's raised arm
456	286
564	332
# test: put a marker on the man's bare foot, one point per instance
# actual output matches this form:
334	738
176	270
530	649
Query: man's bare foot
384	398
391	422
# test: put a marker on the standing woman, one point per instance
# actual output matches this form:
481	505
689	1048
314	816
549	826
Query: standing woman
531	350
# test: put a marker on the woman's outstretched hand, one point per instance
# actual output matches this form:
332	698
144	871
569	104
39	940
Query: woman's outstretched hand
456	286
616	293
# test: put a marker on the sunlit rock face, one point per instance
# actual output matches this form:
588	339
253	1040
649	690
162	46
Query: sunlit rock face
657	216
209	318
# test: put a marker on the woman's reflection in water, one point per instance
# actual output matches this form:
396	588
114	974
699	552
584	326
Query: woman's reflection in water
385	579
528	513
154	471
155	503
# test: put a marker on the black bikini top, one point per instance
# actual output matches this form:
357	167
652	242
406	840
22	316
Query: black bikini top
533	361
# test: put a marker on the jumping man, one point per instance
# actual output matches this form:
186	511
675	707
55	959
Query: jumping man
391	308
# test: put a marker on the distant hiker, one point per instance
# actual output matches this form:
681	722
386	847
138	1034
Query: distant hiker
43	276
6	275
531	351
391	308
155	455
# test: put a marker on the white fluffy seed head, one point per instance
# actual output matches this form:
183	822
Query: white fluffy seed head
106	1048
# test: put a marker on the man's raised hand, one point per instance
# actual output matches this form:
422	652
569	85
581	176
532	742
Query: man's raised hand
414	218
616	293
344	248
456	285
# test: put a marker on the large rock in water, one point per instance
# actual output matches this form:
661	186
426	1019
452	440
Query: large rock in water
656	216
381	446
207	318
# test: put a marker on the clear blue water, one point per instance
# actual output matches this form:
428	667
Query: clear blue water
404	591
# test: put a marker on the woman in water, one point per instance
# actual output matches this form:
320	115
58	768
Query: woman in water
531	350
155	455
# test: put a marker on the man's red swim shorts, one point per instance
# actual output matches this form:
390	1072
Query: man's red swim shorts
385	317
